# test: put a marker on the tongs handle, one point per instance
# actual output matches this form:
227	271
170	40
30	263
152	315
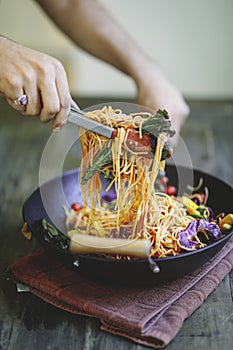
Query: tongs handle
77	117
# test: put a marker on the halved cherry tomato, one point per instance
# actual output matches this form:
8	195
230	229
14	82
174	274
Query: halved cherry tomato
171	190
169	153
137	143
114	134
76	206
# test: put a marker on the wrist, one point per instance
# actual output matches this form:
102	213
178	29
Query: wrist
144	70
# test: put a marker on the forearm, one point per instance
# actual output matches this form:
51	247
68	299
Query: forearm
91	28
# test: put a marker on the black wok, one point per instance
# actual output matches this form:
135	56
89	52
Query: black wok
48	201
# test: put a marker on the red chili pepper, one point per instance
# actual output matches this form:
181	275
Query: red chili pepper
76	206
171	190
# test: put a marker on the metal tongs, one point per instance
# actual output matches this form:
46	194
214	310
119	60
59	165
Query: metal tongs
77	117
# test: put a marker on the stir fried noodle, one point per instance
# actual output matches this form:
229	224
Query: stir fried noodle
131	166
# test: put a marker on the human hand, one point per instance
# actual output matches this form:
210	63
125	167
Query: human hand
40	77
156	92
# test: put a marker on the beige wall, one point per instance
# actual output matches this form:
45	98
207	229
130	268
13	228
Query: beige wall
191	39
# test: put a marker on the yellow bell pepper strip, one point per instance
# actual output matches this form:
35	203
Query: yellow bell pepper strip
191	206
226	223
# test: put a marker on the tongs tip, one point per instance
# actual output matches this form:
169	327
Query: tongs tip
77	117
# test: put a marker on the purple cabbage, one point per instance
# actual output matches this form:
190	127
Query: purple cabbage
109	197
211	217
188	237
210	227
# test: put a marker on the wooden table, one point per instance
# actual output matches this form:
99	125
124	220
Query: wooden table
26	322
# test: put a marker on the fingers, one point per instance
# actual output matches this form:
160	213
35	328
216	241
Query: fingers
64	98
14	90
48	93
34	105
18	106
40	77
48	97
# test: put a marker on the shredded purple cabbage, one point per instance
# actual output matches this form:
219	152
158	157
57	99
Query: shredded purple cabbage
187	238
210	227
211	214
109	197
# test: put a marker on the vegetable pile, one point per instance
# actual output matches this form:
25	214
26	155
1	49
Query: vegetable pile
204	229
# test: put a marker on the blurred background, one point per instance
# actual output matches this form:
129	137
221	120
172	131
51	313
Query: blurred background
191	40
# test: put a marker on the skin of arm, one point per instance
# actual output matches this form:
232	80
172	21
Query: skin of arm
92	28
42	78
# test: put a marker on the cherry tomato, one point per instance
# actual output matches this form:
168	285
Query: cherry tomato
171	190
170	153
114	134
76	207
137	143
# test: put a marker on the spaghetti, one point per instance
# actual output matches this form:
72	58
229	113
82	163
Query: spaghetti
131	163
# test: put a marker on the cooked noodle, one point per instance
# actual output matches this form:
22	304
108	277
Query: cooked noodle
138	212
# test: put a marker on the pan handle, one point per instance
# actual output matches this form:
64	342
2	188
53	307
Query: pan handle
154	267
85	244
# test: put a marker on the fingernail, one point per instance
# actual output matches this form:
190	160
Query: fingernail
56	129
59	127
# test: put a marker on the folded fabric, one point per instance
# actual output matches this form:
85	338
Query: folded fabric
147	315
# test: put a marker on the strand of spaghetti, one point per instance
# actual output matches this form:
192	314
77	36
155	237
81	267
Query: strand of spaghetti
116	161
141	211
157	159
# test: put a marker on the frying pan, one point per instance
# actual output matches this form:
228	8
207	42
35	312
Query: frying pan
48	202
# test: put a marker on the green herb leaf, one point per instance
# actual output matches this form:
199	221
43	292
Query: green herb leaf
104	158
54	237
157	124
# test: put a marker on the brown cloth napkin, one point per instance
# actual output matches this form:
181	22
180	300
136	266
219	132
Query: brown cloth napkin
147	315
